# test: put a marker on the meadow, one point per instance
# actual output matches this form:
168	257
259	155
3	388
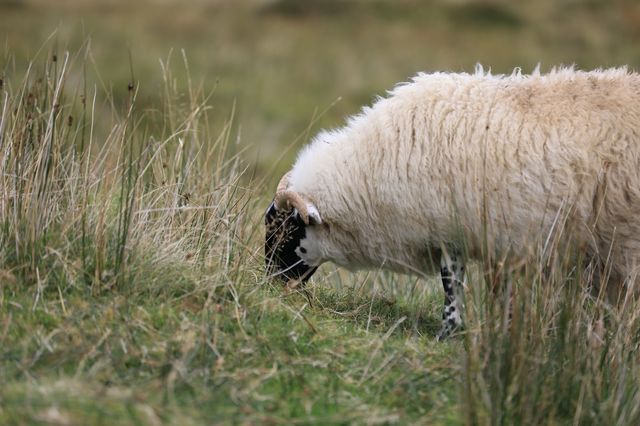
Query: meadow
140	143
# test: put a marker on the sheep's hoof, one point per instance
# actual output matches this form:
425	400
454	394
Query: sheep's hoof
447	330
443	334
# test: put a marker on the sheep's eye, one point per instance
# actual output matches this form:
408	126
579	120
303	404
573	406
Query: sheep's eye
303	250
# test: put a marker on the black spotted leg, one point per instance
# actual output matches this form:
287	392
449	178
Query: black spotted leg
452	273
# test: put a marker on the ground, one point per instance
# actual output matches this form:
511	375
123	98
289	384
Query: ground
139	151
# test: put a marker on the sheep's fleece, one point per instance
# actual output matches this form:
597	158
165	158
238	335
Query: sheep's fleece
492	166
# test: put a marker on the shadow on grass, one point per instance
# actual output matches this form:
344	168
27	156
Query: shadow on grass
379	312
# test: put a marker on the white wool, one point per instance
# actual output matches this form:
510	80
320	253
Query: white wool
459	159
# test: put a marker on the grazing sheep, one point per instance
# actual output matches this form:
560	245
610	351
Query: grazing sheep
495	167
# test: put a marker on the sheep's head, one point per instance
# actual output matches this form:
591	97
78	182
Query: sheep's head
289	221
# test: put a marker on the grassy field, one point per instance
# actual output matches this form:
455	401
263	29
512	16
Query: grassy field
140	143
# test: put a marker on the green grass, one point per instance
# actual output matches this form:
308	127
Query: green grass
132	288
122	357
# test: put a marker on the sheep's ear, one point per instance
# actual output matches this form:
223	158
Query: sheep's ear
271	213
312	215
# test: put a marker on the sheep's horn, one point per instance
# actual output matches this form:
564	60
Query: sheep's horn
283	185
285	199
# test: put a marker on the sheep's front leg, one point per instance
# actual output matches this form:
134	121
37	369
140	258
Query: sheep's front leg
452	273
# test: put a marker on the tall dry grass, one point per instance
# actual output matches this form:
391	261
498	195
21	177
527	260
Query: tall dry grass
549	347
79	211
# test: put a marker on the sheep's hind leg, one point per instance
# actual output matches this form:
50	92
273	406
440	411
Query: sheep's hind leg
452	273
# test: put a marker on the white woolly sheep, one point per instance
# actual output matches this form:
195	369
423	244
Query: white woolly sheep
474	164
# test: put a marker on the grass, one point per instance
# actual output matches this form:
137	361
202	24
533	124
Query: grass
133	288
131	274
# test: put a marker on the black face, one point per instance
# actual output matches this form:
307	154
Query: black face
285	230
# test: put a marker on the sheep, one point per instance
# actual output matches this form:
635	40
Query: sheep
453	164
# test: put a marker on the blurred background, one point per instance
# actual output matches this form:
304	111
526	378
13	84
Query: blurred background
286	68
